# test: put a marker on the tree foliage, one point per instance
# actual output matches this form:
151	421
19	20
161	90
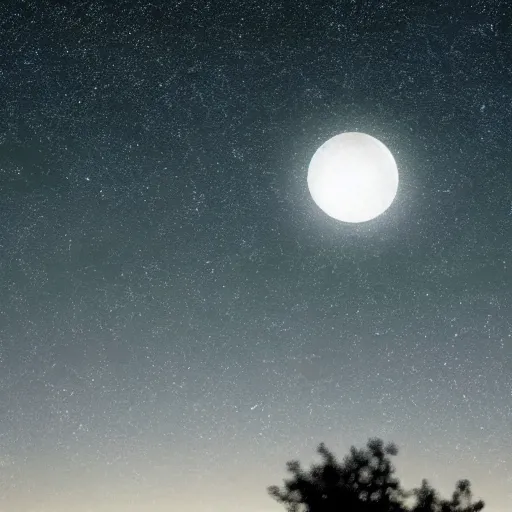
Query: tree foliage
364	481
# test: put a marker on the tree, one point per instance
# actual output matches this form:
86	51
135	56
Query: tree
363	482
428	500
462	499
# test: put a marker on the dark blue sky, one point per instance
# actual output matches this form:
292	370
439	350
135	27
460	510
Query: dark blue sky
176	313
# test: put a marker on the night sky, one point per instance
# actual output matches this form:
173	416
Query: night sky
178	319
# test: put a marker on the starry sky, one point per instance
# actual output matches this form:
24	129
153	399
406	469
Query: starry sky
178	318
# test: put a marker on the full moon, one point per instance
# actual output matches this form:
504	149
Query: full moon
353	177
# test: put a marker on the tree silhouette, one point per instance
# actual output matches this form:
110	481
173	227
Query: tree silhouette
428	500
462	499
363	482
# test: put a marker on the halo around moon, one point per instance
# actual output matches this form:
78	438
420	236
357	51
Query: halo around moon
353	177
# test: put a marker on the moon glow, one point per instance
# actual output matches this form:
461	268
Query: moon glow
353	177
